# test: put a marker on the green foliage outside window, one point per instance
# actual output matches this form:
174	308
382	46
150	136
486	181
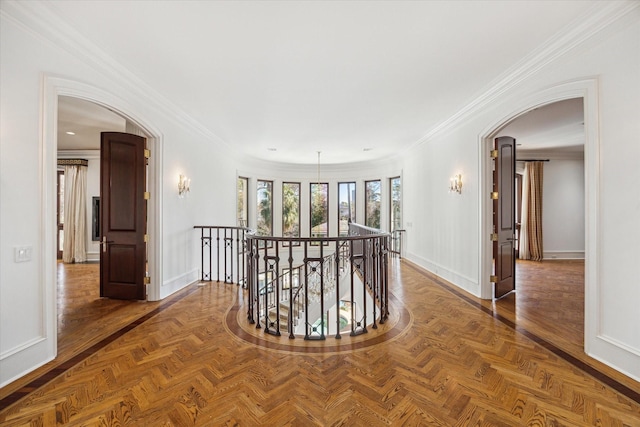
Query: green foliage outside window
372	204
265	208
319	210
291	209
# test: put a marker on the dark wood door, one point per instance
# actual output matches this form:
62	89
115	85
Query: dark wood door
123	216
504	216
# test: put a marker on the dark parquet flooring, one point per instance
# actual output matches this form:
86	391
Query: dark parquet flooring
450	360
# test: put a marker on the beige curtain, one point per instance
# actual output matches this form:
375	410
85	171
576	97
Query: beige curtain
530	246
75	214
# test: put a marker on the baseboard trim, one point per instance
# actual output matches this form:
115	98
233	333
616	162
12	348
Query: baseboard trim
550	255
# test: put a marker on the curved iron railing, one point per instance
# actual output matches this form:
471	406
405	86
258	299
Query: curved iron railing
318	286
313	287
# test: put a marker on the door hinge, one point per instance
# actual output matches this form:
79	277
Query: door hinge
146	238
494	154
494	237
147	153
494	195
147	195
147	280
493	279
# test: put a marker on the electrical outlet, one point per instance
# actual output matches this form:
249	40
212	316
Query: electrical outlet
22	253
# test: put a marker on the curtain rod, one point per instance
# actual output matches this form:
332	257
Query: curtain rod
532	160
72	162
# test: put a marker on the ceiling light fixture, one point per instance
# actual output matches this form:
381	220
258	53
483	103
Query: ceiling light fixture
70	133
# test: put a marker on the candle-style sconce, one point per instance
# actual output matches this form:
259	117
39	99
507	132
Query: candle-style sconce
455	186
183	185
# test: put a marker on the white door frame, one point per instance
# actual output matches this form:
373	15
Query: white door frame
587	89
52	88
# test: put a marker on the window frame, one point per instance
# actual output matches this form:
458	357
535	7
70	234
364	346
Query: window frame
284	229
367	202
245	198
353	201
392	227
259	203
326	209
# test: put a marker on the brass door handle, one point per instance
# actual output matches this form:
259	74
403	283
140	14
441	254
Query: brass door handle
104	243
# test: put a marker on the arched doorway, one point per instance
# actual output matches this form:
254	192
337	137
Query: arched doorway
587	90
53	88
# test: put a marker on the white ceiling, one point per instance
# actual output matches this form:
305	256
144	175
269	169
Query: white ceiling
557	128
86	120
356	80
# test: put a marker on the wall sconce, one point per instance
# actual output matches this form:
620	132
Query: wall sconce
183	185
455	185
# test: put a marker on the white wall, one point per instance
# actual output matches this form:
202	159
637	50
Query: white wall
563	221
444	230
31	61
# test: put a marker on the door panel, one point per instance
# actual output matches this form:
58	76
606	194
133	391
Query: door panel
123	216
504	215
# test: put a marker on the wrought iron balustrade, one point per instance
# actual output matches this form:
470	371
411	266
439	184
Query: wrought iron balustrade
340	283
223	252
311	287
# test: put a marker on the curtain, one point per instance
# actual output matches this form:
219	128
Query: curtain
530	246
75	214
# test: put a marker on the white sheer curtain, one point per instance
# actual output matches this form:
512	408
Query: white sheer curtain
75	214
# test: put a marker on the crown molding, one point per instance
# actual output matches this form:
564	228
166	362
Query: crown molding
42	21
591	23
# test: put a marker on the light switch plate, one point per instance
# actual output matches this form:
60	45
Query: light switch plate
22	253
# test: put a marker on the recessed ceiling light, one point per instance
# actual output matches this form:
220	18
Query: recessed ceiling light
70	133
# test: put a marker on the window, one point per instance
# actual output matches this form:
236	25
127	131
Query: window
243	206
346	206
290	209
372	204
264	208
396	203
319	209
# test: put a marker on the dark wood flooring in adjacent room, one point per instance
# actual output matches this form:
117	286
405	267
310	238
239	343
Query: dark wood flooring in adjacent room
459	361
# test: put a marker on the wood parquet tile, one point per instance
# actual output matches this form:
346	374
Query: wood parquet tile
456	365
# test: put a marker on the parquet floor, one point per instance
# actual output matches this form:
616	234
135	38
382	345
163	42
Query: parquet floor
452	360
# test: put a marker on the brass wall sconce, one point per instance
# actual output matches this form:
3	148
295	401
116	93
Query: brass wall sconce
183	185
455	186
